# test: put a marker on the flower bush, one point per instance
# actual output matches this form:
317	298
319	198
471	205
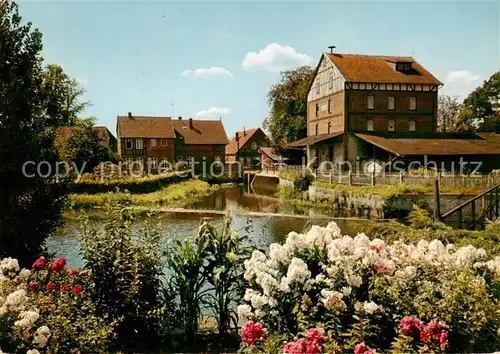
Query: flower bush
362	291
47	310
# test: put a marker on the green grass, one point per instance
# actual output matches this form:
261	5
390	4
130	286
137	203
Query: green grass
174	195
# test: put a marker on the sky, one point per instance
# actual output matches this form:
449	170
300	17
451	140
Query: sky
217	60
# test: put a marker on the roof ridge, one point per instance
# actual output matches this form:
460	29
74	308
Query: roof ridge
371	55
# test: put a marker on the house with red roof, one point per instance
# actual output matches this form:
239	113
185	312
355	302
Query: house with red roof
245	147
379	107
62	135
161	142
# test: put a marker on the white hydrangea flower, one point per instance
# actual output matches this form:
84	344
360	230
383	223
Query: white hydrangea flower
244	313
346	290
27	319
17	299
370	307
41	336
31	351
354	280
297	271
332	300
9	265
24	274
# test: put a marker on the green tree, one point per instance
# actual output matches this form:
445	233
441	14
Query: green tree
30	204
63	96
451	116
484	104
86	149
287	120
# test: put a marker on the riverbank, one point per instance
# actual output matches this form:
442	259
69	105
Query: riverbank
173	195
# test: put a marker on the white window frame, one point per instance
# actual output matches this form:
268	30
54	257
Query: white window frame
153	142
127	141
412	126
153	162
369	125
139	144
370	102
330	81
413	103
254	145
391	125
218	158
391	103
129	161
164	142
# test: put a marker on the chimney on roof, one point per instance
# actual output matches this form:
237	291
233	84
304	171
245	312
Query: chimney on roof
332	47
130	114
190	123
244	132
180	118
236	137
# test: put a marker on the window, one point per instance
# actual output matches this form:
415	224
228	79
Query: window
163	142
317	85
412	126
391	102
153	142
164	163
329	127
413	103
391	126
129	144
370	103
317	109
369	125
254	145
153	162
329	106
403	66
138	144
316	129
218	158
330	81
129	161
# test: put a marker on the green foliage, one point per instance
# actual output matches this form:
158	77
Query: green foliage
62	95
125	272
483	104
174	195
450	117
30	207
225	252
86	150
288	101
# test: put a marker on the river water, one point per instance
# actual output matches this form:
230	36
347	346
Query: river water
258	214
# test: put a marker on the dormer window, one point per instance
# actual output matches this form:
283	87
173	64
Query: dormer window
403	66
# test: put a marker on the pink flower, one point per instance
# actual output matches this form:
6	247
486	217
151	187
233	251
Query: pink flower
77	289
33	287
72	272
58	265
380	268
374	248
362	348
39	263
311	344
315	335
411	326
298	346
435	332
51	286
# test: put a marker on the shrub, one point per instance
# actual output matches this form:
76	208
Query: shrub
358	290
125	271
48	309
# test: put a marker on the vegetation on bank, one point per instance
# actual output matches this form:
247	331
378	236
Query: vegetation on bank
174	195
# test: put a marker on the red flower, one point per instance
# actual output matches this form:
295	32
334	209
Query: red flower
39	263
362	348
77	289
434	331
411	326
33	287
58	265
374	248
315	335
51	286
380	268
72	272
252	332
64	287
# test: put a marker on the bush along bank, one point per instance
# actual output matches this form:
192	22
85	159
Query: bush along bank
174	195
94	184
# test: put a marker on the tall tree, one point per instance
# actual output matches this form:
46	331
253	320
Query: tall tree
63	96
30	204
450	117
484	104
287	120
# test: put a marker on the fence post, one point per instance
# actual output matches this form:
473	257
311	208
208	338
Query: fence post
489	179
331	177
372	178
401	177
350	177
437	202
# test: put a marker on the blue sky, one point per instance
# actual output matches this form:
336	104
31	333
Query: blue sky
218	59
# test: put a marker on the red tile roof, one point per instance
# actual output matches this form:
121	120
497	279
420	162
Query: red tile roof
243	137
145	127
437	144
64	133
273	155
380	69
210	132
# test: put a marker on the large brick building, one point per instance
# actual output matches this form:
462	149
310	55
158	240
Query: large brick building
245	147
159	141
365	107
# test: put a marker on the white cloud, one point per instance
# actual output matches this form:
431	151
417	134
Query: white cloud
461	75
211	71
81	81
276	57
214	112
